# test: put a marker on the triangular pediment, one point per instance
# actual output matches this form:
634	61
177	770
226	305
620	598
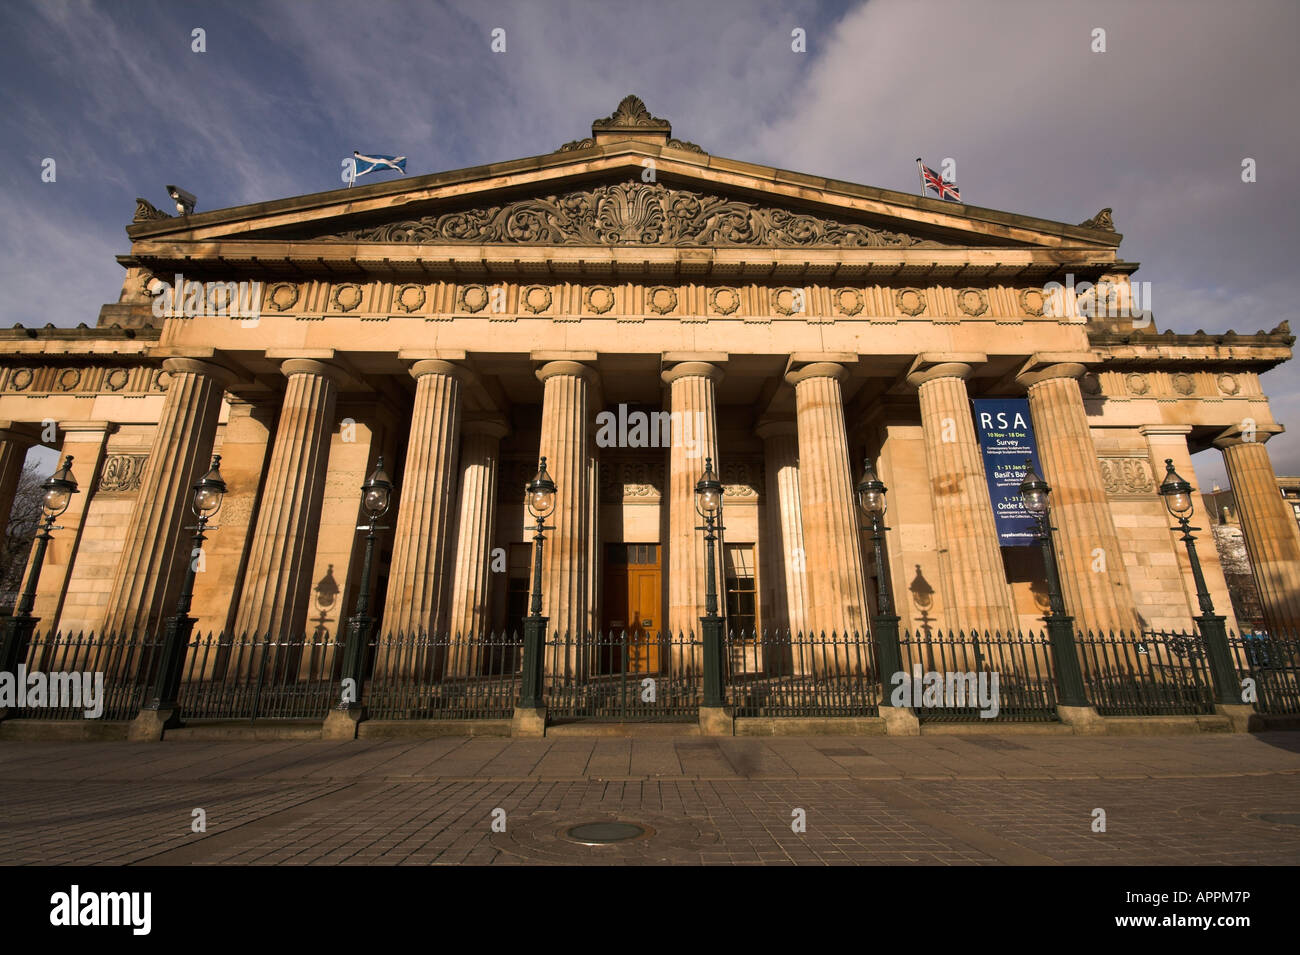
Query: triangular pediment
633	213
629	185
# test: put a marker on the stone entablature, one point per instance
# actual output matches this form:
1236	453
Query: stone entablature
690	301
51	379
1173	385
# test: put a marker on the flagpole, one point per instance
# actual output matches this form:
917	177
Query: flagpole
920	171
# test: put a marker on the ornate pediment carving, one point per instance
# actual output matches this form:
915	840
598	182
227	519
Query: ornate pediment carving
146	212
631	112
635	213
1101	220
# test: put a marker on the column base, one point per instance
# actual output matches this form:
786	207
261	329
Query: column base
342	724
900	721
717	721
150	726
1084	720
1240	716
528	722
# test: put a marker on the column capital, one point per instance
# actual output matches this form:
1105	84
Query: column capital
107	427
436	366
1044	366
196	366
928	366
691	369
493	426
776	428
1173	430
570	369
1237	435
817	369
310	366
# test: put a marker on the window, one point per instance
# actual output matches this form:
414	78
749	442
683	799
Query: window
740	589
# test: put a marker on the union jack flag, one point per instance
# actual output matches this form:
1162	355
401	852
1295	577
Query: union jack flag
944	189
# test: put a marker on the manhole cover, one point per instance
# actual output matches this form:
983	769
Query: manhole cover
603	833
1281	818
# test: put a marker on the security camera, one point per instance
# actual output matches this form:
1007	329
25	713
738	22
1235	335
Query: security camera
184	200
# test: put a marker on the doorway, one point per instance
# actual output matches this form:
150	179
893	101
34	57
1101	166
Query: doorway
633	591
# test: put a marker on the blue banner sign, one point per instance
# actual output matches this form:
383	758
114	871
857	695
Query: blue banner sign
1006	437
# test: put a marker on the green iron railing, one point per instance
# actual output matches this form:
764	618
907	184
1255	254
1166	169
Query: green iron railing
1159	673
1022	662
1272	661
780	673
620	676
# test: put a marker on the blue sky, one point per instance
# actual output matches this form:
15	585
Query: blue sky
1155	127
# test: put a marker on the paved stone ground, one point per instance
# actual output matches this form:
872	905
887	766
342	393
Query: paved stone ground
877	800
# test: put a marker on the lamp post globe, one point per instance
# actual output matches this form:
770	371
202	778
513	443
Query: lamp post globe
1177	493
377	492
209	492
708	493
540	494
871	492
58	489
1034	492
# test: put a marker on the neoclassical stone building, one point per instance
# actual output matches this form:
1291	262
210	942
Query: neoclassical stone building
464	323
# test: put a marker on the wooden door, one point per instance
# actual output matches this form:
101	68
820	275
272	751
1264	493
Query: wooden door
633	584
643	588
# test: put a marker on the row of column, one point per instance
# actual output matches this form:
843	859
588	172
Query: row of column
443	534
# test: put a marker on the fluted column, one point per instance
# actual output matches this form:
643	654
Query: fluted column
566	445
1272	535
694	416
147	581
972	577
1094	579
836	580
423	541
787	558
480	455
277	583
14	446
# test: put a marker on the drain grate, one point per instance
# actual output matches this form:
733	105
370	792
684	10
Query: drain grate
604	833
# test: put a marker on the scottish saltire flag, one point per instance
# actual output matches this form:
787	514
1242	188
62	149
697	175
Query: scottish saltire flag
376	162
944	189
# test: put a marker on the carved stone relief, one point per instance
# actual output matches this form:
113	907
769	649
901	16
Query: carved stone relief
1127	476
636	213
122	472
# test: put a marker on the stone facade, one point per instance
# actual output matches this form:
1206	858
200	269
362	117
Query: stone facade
462	324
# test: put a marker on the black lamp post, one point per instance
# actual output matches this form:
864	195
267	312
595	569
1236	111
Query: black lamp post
540	498
376	498
708	504
889	657
1034	495
59	488
206	502
1178	499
